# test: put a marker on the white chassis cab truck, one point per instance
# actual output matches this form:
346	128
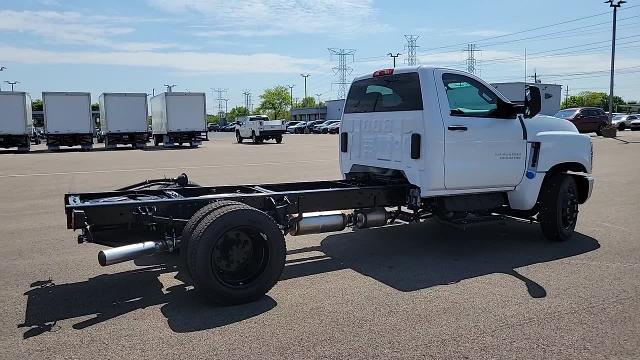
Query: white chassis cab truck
415	143
259	128
16	123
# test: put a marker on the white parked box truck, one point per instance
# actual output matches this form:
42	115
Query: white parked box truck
179	118
123	119
67	119
16	123
551	95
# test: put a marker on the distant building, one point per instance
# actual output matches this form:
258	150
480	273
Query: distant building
331	111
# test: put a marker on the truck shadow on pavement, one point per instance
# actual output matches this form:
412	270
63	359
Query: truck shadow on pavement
108	296
406	258
420	256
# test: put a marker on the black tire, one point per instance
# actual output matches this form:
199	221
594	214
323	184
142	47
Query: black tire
236	254
635	128
191	225
254	138
558	207
622	126
238	137
279	139
599	131
156	142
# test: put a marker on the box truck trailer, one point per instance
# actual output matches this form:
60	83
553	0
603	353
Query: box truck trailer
16	123
179	118
67	119
123	119
551	95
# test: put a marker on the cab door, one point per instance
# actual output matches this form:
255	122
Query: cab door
483	148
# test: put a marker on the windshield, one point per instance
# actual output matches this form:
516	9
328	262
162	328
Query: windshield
400	92
566	114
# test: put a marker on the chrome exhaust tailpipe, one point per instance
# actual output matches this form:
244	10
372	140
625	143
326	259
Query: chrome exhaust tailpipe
129	252
319	224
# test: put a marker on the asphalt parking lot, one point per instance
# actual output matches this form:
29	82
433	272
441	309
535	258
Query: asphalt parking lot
493	291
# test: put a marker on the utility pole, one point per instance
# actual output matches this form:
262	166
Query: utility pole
411	47
394	58
566	93
12	83
305	76
291	92
615	5
471	58
170	87
226	107
153	92
342	70
318	96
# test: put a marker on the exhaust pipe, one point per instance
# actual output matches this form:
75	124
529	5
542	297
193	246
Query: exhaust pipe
129	252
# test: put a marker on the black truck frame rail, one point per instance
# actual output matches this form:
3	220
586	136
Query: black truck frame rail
173	202
180	138
132	138
58	140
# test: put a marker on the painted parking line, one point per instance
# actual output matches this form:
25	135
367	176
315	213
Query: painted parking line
170	168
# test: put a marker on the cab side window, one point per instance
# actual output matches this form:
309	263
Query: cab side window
468	97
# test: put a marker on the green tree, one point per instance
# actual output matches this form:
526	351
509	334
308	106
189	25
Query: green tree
307	102
213	119
275	102
591	99
237	112
36	105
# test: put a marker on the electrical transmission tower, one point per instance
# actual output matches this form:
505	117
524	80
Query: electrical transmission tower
342	70
247	99
411	47
220	99
472	63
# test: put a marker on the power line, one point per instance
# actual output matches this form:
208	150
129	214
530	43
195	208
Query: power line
342	70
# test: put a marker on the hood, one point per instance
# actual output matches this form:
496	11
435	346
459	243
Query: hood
544	123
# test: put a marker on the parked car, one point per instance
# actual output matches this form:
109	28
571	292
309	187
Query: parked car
213	127
323	127
586	119
334	128
296	127
311	124
623	121
634	125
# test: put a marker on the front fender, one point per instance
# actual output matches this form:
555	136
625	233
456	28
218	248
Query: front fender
561	147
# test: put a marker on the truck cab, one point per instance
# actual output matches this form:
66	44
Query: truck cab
458	140
259	128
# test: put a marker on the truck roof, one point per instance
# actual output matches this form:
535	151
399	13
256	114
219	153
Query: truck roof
405	69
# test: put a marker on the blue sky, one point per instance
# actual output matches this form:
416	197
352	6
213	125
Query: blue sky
139	45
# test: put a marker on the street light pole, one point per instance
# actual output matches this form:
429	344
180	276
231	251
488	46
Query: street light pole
12	83
394	58
615	6
291	92
305	83
170	87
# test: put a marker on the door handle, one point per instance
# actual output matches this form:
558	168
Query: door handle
457	128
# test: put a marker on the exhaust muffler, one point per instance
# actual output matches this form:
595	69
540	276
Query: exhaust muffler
316	224
129	252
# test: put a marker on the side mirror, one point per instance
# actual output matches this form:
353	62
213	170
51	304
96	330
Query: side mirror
532	101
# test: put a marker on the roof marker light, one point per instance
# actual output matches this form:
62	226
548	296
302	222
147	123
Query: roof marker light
383	72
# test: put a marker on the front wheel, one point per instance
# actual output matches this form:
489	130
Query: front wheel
600	128
238	137
622	126
279	139
236	254
558	207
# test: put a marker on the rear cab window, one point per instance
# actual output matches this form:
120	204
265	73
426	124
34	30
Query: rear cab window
398	92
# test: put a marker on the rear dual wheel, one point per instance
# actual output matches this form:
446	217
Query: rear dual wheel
234	253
